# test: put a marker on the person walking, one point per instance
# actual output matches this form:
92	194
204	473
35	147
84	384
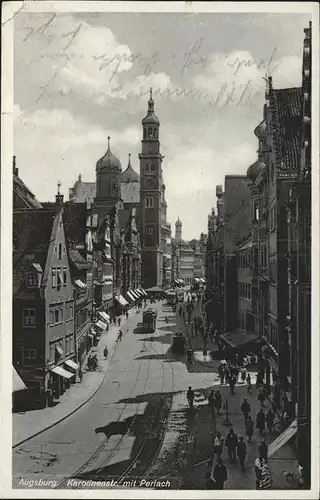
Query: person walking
210	483
260	421
232	384
218	445
195	326
262	396
80	374
270	420
249	426
259	381
263	451
245	408
231	444
119	321
249	384
211	398
190	397
243	374
265	478
242	451
119	336
105	352
220	474
218	402
221	372
258	466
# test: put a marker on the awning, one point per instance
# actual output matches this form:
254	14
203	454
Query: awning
143	291
237	339
122	301
72	364
101	324
17	382
59	350
283	438
177	282
80	284
136	296
104	316
138	292
58	370
131	297
197	280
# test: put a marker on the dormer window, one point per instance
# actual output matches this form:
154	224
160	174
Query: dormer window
60	251
32	279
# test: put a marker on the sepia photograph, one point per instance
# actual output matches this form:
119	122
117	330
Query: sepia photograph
160	311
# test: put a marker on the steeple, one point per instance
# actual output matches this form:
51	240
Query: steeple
59	196
151	118
178	235
129	175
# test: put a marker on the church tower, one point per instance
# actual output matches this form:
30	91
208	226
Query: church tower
151	185
178	234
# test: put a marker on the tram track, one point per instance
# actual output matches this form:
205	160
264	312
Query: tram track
127	473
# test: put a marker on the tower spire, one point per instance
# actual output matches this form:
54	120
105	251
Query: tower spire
109	143
150	103
129	161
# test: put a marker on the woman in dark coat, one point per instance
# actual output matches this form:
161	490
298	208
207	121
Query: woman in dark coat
220	474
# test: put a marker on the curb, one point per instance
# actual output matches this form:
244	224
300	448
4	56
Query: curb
69	414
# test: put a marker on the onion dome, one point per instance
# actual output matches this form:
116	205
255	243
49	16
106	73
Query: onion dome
129	175
151	118
255	169
109	161
261	130
178	222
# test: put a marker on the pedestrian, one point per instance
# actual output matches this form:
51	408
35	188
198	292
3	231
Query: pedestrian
241	451
259	380
89	362
232	384
190	396
119	336
227	375
243	374
189	356
211	398
105	352
262	396
245	408
119	321
270	420
258	466
249	426
127	314
220	474
183	314
210	483
218	445
263	451
80	374
249	384
260	421
265	478
218	401
231	444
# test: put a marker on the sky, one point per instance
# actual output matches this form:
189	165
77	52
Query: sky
81	77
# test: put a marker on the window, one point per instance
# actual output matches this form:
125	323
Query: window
60	251
150	133
64	275
51	317
61	314
29	317
144	133
54	277
56	316
32	280
149	202
29	355
60	279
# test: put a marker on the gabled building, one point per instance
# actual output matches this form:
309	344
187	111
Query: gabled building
43	302
22	196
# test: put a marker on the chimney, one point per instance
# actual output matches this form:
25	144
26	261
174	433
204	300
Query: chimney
15	168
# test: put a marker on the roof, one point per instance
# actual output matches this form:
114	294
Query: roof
129	175
22	195
154	289
78	260
130	192
74	220
109	161
32	230
288	129
84	192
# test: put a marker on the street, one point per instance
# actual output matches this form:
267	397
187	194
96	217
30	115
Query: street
137	429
